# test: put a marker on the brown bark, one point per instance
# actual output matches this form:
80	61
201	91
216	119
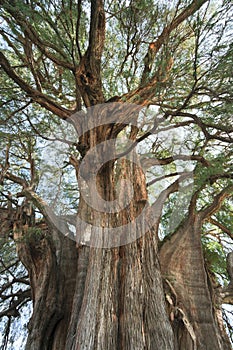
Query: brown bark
50	259
121	305
94	298
88	73
119	301
7	217
190	294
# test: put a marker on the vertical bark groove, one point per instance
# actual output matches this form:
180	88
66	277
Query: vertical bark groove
182	263
50	259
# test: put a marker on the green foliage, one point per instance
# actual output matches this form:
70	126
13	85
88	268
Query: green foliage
215	257
13	275
8	252
32	235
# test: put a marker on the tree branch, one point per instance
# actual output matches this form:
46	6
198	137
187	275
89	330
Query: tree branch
15	178
216	204
156	45
221	226
149	162
96	33
43	207
23	280
33	36
22	297
88	75
174	187
157	179
79	5
36	95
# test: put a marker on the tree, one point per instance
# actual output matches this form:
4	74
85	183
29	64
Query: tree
136	95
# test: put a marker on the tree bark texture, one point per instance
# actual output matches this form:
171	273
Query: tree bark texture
127	297
51	260
190	293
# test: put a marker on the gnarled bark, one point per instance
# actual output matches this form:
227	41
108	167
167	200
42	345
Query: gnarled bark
190	295
51	260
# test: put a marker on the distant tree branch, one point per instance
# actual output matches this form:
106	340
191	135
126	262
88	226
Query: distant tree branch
156	45
23	280
33	36
21	297
157	179
152	131
204	126
52	139
79	5
36	95
149	162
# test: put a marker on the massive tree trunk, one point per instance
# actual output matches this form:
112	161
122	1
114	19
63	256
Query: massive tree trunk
120	304
96	298
119	301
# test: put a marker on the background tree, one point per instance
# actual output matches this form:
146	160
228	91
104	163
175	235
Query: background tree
165	288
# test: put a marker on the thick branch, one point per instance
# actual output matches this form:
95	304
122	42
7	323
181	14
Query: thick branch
216	204
7	219
97	33
43	207
28	192
88	75
174	187
14	178
221	226
227	295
